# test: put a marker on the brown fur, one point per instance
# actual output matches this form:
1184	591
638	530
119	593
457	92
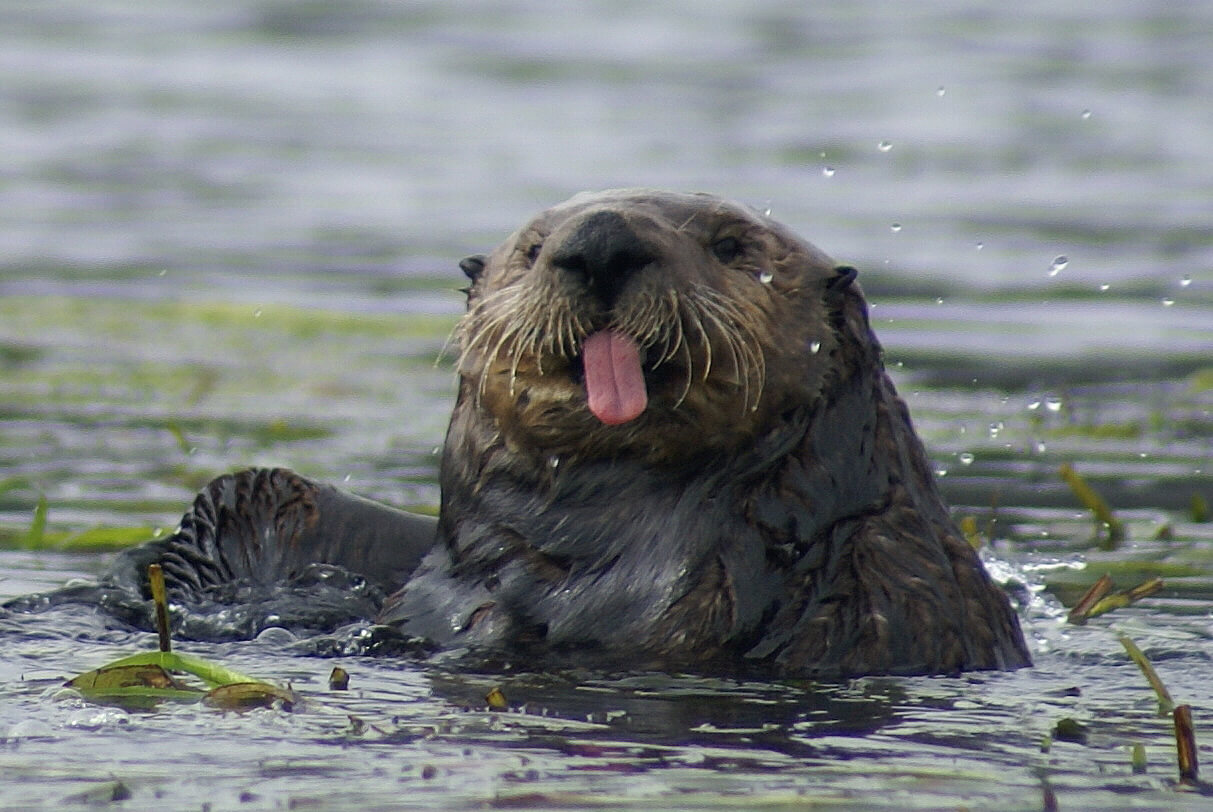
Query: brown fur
771	503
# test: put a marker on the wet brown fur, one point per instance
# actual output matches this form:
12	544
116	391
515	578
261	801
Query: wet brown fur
772	504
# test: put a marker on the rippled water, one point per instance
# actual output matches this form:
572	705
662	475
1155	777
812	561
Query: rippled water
228	235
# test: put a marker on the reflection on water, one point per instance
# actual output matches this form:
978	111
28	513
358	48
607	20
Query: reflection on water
229	234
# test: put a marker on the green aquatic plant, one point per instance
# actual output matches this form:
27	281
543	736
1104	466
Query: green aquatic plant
1114	529
93	539
1097	601
1199	509
1165	703
36	535
1181	717
146	679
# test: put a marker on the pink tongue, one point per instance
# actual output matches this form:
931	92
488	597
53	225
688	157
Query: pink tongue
614	381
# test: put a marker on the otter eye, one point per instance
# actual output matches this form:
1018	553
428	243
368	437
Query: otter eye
532	253
727	249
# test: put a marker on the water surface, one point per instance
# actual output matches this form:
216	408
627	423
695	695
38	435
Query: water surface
229	234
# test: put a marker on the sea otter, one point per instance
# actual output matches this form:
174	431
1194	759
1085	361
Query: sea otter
674	446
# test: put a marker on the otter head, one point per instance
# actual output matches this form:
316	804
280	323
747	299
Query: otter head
649	324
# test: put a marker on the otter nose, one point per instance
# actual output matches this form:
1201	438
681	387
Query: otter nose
604	252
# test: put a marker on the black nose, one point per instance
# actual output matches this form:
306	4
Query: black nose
604	252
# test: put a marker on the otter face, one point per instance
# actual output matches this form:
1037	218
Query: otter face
621	317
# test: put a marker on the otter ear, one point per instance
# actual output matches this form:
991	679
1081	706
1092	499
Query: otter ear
841	297
473	266
845	276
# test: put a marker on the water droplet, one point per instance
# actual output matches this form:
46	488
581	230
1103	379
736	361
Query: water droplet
1168	301
163	272
1185	281
1086	114
980	245
436	450
941	471
940	91
884	146
895	227
1053	404
1059	264
766	212
1033	405
157	532
347	477
965	458
1104	286
1039	447
828	171
938	300
765	277
554	461
257	313
814	347
996	429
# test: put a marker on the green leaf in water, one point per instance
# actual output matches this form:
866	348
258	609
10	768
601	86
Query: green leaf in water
183	443
1165	703
1138	758
1199	509
1201	380
147	678
37	529
244	695
1095	503
1070	730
